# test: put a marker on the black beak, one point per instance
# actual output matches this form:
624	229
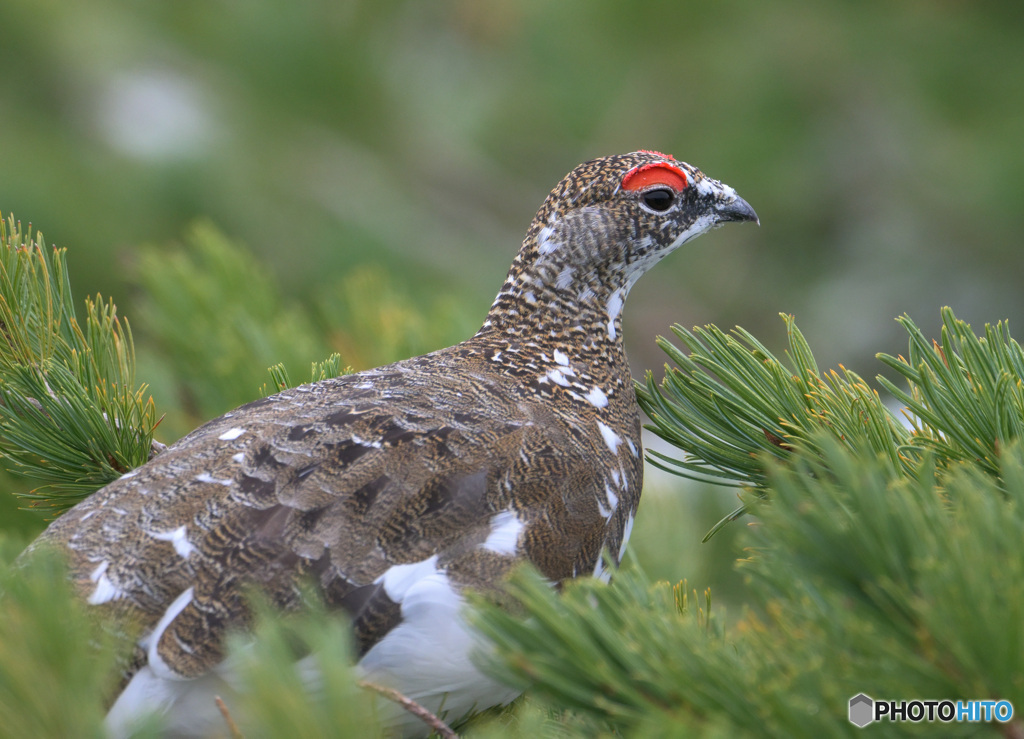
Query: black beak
737	209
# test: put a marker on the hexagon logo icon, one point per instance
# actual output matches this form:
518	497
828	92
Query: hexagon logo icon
862	710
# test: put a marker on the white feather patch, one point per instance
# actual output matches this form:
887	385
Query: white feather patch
597	398
602	574
504	536
613	502
626	531
611	438
105	590
557	377
613	499
398	579
545	244
152	640
207	477
615	301
178	538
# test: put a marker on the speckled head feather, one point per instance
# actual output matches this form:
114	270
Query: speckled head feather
395	489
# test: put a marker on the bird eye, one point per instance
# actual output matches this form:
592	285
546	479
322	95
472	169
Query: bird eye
659	200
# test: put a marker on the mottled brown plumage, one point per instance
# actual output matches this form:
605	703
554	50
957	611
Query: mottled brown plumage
521	442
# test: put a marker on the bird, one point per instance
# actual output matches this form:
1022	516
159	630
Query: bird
397	490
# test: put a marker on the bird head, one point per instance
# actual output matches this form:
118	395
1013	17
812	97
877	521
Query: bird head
613	218
604	225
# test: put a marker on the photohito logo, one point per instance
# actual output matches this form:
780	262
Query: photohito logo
864	710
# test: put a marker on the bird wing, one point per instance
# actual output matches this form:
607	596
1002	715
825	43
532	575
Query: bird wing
353	482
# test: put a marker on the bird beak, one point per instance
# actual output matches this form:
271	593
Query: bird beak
736	209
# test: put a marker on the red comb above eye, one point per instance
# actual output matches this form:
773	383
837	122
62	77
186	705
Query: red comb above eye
655	173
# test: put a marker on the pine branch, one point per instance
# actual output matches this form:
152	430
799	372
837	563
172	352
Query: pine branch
610	653
966	394
731	405
71	414
730	401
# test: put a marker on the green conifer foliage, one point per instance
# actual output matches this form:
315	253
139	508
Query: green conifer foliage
71	413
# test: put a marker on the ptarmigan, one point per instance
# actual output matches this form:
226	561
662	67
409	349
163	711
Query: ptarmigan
395	489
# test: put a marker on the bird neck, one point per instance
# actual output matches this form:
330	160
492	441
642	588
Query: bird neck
555	304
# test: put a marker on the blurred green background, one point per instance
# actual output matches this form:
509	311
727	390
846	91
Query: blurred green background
382	160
